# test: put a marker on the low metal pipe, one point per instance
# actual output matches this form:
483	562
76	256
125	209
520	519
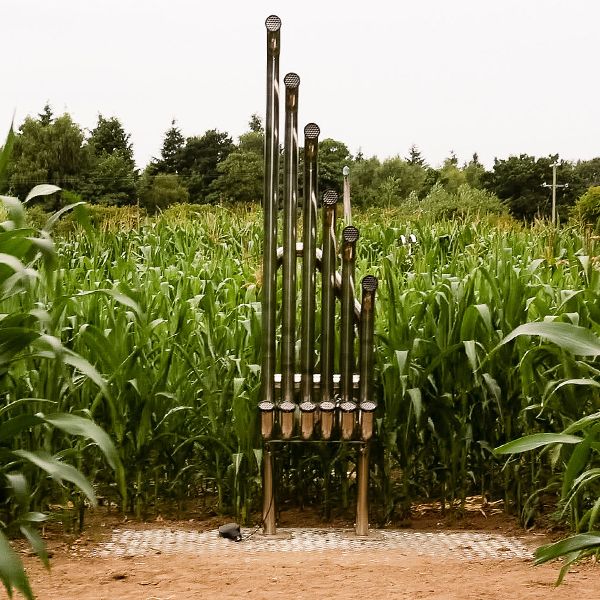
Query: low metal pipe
267	419
326	418
350	236
271	183
290	206
328	269
307	419
286	419
348	420
366	357
309	247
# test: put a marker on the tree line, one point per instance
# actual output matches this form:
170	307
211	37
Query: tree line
98	167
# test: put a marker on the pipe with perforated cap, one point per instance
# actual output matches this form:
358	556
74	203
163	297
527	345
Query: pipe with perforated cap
348	416
269	280
366	357
328	269
350	236
309	250
271	183
328	260
290	206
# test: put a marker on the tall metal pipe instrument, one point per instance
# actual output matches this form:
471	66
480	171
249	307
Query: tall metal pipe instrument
328	270
287	405
348	414
269	282
366	399
367	404
309	251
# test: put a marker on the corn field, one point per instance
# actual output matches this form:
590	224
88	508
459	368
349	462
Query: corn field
166	314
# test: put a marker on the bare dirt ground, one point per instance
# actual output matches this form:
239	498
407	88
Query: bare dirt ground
235	573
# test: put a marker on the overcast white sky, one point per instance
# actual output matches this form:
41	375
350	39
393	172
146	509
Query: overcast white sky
496	77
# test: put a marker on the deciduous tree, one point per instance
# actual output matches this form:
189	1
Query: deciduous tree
48	150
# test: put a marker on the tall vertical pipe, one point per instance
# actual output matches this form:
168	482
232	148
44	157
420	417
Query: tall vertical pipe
328	270
309	245
273	25
366	356
290	206
349	236
367	403
269	283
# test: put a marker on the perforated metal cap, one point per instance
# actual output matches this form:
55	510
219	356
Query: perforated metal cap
330	197
350	234
311	131
265	406
348	406
368	406
369	283
273	23
327	406
291	80
308	406
287	406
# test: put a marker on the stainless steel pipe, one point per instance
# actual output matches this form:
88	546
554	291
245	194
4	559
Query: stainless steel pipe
366	357
348	414
350	236
271	185
328	270
290	206
309	248
269	280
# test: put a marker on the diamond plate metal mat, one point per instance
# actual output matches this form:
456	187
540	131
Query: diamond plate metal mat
459	545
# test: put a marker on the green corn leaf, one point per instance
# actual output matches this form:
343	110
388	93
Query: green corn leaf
578	340
75	425
44	189
537	440
86	368
575	543
12	573
583	423
11	428
576	464
584	382
36	543
58	470
16	212
20	488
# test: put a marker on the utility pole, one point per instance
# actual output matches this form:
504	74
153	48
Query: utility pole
554	186
347	207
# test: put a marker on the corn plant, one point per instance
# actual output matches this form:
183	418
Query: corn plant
168	312
574	452
26	258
